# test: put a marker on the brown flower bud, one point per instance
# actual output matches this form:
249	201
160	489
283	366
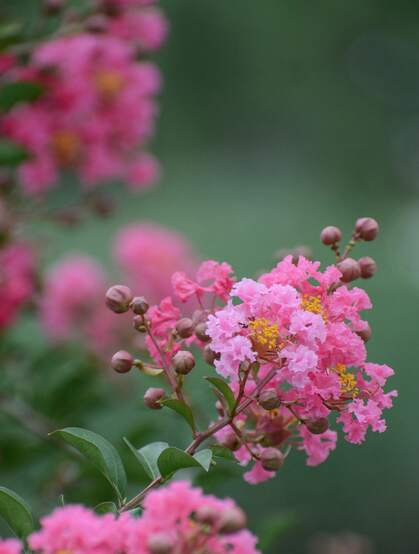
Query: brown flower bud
367	266
317	426
185	327
269	400
367	228
207	515
52	7
138	323
139	305
209	355
152	398
330	235
97	23
272	459
232	520
118	298
160	543
122	361
366	333
201	332
183	362
230	440
350	270
296	252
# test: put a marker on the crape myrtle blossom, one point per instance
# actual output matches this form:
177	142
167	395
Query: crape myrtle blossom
97	108
290	346
179	518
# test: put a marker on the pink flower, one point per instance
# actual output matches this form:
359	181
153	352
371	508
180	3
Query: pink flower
143	172
212	278
10	546
317	447
146	29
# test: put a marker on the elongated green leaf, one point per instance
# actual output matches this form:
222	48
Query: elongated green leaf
173	459
106	508
11	154
225	390
204	457
148	456
19	91
182	409
9	33
100	453
16	513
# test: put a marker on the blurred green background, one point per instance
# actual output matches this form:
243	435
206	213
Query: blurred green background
279	117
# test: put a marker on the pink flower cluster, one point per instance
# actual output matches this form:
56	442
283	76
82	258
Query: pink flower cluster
17	280
298	331
177	518
97	109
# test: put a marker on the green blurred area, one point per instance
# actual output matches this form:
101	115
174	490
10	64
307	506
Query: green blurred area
279	117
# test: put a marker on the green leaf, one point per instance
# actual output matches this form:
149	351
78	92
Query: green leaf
225	390
101	453
148	456
18	91
106	508
9	33
220	451
11	154
16	513
173	459
182	409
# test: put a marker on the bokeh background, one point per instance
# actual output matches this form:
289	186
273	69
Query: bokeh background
277	118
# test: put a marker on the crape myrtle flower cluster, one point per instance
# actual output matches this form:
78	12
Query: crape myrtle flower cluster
290	346
178	519
96	108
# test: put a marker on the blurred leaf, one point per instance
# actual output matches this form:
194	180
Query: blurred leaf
100	453
182	409
106	507
222	452
61	500
148	456
11	154
9	33
15	511
273	529
225	390
173	459
19	91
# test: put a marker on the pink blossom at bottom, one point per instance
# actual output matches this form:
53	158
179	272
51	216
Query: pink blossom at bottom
10	546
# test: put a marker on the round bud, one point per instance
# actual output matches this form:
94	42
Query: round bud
367	228
138	323
122	361
209	355
230	440
160	543
97	23
207	515
52	7
232	520
271	459
269	400
118	298
152	398
185	327
139	305
366	333
183	362
350	270
330	235
367	266
201	332
317	426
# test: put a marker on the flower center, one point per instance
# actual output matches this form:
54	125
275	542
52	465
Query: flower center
66	145
313	304
109	83
347	380
264	334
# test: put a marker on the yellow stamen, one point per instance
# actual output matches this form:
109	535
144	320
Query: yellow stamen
109	83
264	334
347	380
313	304
66	145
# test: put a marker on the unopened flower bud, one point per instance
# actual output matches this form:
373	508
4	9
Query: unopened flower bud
139	305
350	270
122	361
160	543
201	332
367	266
97	23
317	426
272	459
118	298
185	327
52	7
200	316
330	235
183	362
232	520
209	355
367	228
138	323
152	398
206	515
366	333
269	400
230	440
220	408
